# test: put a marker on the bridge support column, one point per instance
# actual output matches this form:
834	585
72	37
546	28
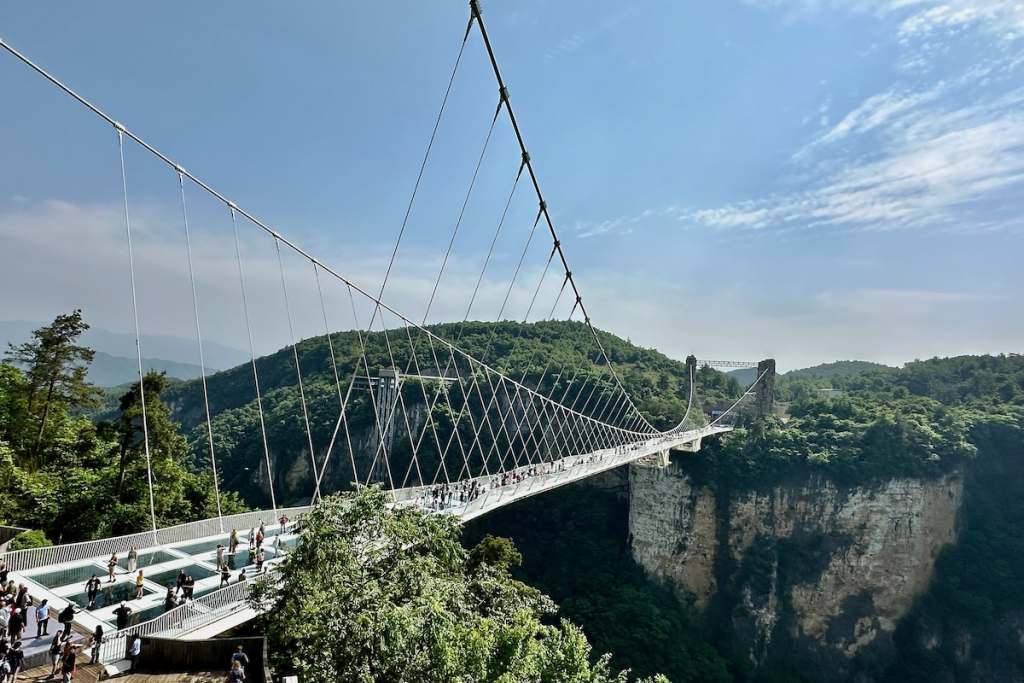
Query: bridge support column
662	458
765	393
692	447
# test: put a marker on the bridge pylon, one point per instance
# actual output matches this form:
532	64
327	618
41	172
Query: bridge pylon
765	392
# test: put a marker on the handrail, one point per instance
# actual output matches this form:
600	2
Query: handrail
32	558
194	614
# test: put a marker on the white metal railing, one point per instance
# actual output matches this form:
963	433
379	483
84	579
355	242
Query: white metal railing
194	614
497	490
32	558
22	560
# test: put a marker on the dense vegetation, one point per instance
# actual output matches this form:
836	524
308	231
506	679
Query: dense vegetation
69	478
551	354
575	549
921	420
373	594
77	470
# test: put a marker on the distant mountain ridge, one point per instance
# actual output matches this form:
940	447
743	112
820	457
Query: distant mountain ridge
839	368
116	362
107	370
167	348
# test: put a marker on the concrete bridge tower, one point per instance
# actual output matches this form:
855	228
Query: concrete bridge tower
765	391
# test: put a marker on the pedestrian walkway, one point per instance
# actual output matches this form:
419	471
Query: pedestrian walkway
89	673
205	677
162	566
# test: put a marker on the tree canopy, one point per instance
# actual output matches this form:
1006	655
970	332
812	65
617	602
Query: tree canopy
378	594
82	479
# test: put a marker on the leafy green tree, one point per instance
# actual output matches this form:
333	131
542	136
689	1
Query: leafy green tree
179	495
378	594
55	369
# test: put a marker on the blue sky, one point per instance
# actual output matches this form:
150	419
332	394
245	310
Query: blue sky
806	179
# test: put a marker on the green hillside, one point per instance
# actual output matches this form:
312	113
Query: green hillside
546	354
839	368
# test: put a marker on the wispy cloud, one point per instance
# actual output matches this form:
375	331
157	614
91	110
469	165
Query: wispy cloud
60	255
945	168
578	39
1001	18
942	154
933	166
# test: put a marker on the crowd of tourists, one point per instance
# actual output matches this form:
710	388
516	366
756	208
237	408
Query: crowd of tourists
449	496
16	608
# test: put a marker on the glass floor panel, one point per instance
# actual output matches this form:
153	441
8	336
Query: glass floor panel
170	576
289	543
66	577
200	547
109	595
149	558
139	616
243	558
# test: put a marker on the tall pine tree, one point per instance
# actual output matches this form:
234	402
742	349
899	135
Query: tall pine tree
55	367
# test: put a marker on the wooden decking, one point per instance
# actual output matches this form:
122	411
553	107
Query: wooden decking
90	674
173	678
87	673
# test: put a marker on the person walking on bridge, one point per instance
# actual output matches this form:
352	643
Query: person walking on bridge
42	619
239	657
92	588
133	560
16	624
16	657
97	641
65	619
68	665
54	652
122	613
233	542
111	566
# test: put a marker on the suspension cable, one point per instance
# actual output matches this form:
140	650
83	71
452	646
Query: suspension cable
298	371
419	176
476	15
202	359
377	302
138	338
252	359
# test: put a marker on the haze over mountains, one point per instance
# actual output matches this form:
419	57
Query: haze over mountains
116	363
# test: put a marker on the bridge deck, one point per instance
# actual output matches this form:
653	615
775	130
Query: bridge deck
59	574
65	583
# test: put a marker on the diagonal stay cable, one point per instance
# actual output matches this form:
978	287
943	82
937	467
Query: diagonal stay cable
249	216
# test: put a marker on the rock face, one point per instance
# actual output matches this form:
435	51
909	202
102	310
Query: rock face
805	572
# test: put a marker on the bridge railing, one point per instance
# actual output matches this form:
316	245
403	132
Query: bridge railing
31	558
183	619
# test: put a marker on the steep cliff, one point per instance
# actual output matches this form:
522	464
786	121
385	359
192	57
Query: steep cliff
804	572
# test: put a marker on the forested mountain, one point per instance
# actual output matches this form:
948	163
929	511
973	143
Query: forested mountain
559	357
76	467
839	368
885	434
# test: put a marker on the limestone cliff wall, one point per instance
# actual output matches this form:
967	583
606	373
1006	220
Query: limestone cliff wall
807	567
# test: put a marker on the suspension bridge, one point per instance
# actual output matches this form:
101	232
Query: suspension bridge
450	431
